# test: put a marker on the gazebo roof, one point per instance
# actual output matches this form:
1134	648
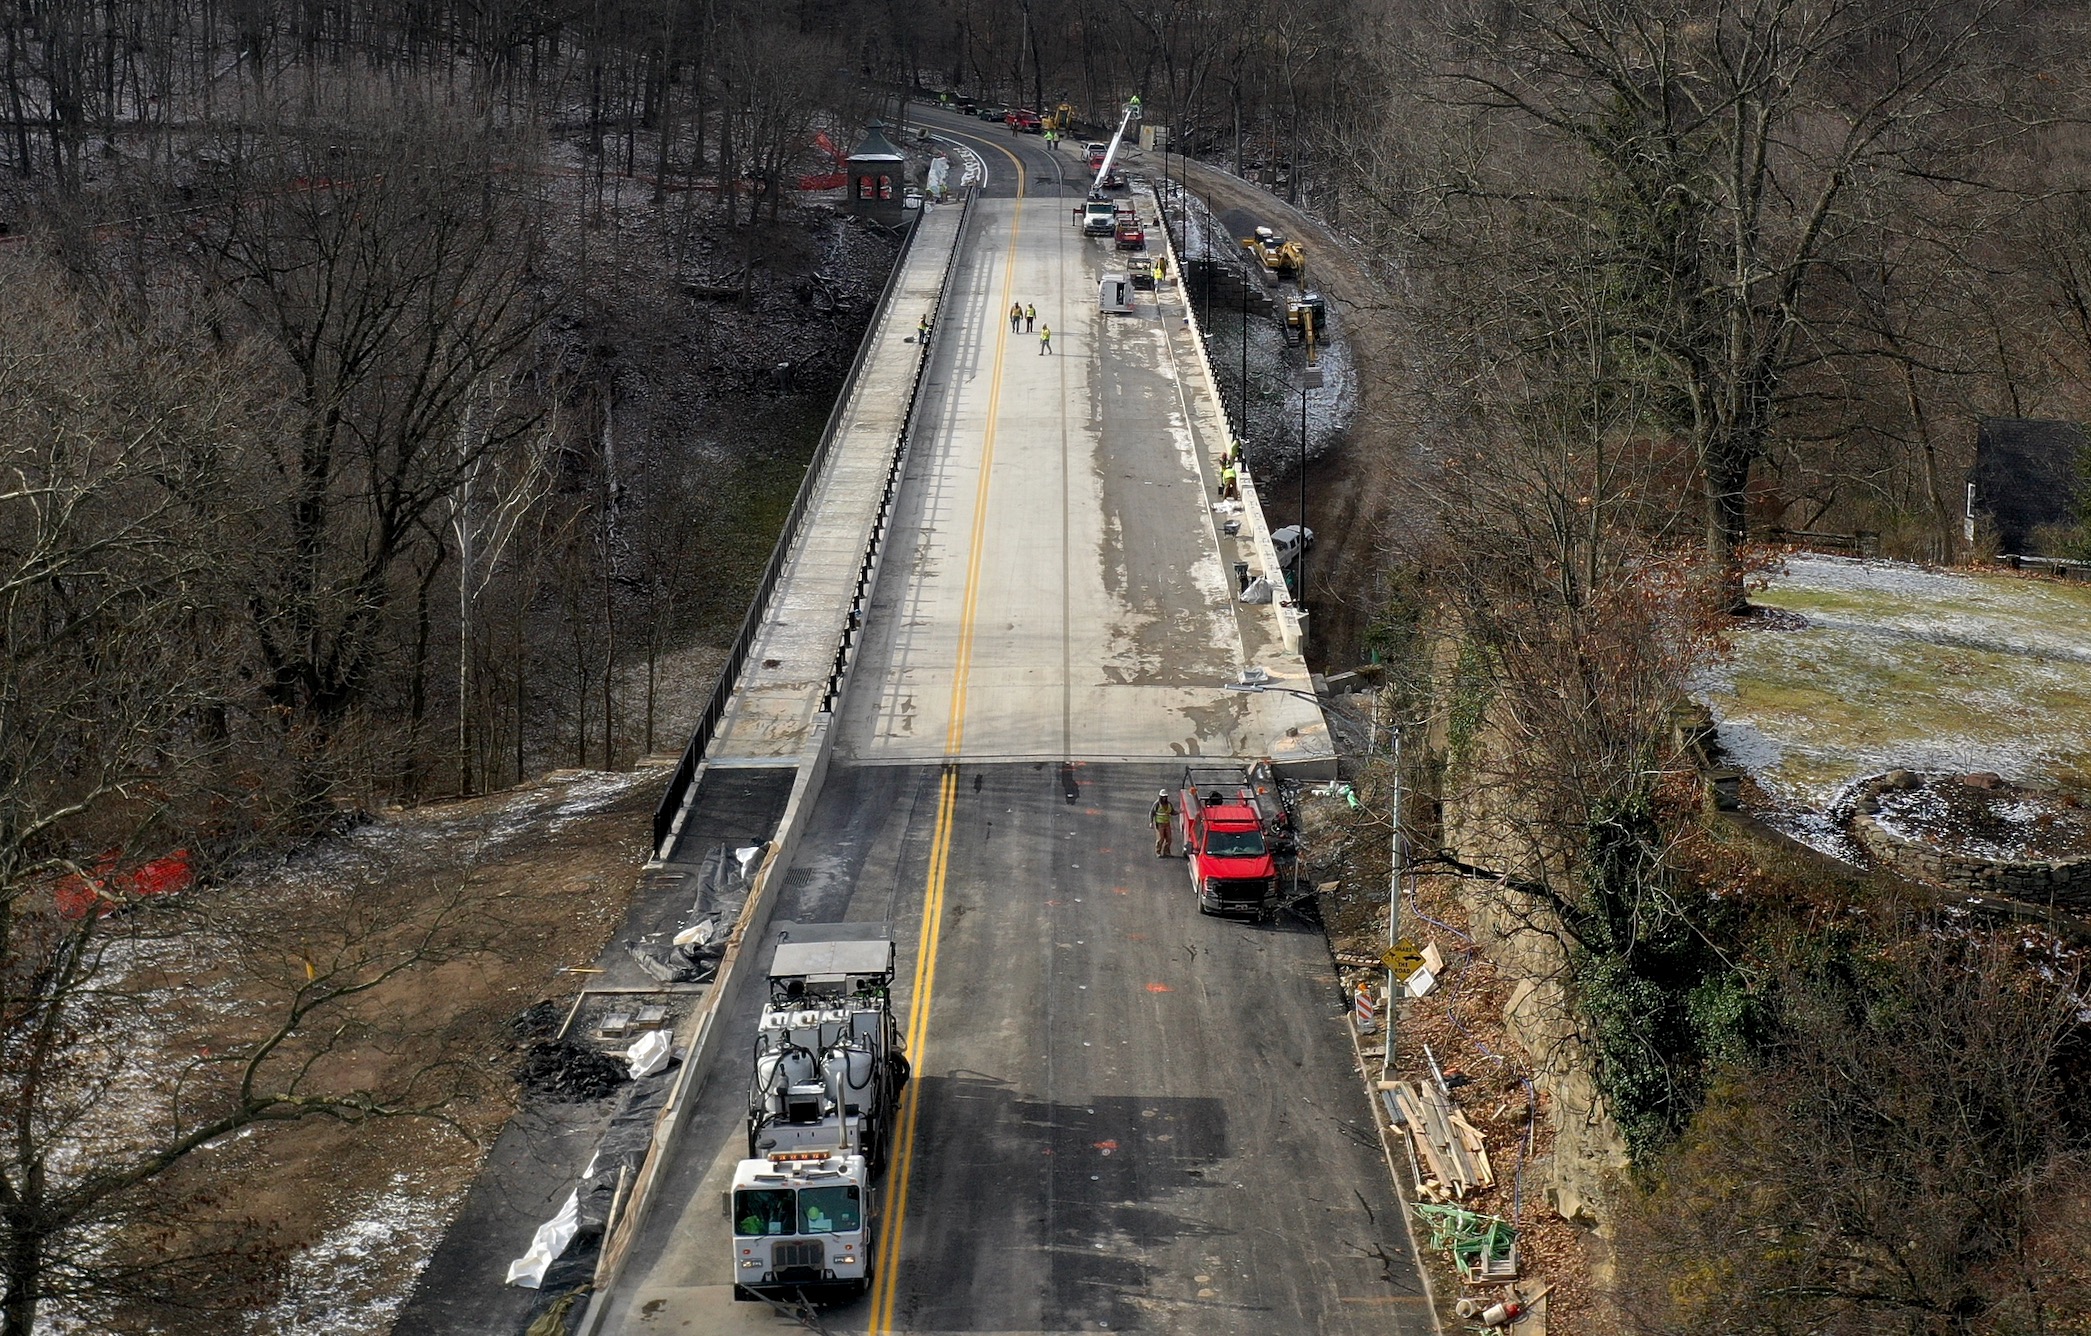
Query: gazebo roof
876	147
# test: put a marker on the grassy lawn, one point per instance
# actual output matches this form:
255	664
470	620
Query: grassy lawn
1899	666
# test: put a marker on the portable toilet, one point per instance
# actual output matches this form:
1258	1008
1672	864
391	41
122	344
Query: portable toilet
1114	295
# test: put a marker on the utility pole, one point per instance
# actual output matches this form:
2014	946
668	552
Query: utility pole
1394	871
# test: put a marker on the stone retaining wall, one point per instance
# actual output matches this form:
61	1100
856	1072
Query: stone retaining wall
2065	882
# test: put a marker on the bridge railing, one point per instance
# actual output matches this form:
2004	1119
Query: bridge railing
672	801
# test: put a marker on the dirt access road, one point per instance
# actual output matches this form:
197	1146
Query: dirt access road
1353	490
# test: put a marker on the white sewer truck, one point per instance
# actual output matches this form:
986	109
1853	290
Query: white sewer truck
828	1069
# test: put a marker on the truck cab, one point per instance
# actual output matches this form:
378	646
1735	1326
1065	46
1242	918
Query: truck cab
1233	866
802	1226
1099	218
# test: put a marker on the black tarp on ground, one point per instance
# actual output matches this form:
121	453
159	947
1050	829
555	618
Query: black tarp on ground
725	875
2028	472
621	1152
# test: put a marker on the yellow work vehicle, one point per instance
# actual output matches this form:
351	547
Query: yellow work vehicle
1306	316
1060	120
1278	256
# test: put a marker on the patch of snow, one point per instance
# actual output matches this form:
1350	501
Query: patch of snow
351	1278
1895	665
1746	745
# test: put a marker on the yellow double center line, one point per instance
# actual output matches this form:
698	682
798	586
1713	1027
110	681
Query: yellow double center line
885	1286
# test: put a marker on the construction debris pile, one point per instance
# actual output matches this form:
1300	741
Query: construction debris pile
561	1069
1445	1149
1467	1131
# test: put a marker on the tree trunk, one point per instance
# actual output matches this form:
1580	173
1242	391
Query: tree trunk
24	1266
1727	482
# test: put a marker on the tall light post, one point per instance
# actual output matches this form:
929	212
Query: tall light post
1166	233
1205	287
1245	356
1310	379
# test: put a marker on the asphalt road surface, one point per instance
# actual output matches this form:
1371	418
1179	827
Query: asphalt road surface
1129	1116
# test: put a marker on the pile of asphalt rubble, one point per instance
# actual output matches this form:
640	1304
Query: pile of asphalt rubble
563	1070
560	1069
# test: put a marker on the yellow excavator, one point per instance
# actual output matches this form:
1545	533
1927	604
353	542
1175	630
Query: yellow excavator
1305	318
1060	120
1279	257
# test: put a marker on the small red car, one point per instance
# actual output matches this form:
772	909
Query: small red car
1023	122
1130	235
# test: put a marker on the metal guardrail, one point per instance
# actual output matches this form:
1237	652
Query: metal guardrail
853	621
678	792
2062	568
1864	543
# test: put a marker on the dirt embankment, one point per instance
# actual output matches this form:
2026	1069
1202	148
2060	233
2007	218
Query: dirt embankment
1457	1034
347	1212
1353	489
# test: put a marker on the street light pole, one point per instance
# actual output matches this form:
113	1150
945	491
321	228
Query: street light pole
1397	853
1205	287
1300	596
1245	362
1394	858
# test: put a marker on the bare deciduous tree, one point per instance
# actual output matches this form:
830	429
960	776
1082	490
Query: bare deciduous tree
392	278
1900	1159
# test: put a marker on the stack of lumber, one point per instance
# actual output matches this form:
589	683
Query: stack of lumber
1450	1158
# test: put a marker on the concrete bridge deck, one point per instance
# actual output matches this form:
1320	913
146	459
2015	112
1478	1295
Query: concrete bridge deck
771	715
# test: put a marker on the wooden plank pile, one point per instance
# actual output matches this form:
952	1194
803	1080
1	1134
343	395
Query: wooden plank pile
1447	1150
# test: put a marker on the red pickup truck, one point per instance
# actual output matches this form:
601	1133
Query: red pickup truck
1131	236
1226	819
1022	122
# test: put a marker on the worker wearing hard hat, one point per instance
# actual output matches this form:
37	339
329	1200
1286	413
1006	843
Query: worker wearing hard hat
1163	816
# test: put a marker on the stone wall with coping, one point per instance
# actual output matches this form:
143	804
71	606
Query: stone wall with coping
2064	882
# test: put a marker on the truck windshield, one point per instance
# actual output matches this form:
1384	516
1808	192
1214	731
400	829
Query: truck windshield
830	1210
1235	843
760	1211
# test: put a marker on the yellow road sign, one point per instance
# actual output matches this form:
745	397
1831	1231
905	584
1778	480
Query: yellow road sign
1402	959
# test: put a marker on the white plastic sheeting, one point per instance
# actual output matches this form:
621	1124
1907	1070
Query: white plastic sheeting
650	1054
545	1246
